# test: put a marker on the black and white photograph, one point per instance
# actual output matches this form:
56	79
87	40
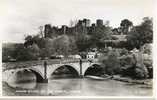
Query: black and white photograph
77	48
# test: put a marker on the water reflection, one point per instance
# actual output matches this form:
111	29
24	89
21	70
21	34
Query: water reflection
65	71
24	79
72	87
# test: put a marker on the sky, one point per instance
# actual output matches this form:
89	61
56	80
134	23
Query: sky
22	17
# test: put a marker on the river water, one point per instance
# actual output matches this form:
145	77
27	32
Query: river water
71	87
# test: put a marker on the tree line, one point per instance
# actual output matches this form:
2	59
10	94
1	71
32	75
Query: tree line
79	39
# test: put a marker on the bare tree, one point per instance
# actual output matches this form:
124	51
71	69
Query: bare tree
73	22
41	31
107	23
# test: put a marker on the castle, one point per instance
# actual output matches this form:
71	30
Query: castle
82	26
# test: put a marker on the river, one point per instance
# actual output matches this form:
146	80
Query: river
72	87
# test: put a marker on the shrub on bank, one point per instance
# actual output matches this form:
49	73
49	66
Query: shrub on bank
127	65
110	63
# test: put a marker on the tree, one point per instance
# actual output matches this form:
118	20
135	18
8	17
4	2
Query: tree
141	34
73	23
83	42
8	51
72	46
107	23
22	53
37	39
64	45
110	63
47	47
99	35
28	41
33	51
125	25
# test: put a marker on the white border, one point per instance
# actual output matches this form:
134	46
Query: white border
98	97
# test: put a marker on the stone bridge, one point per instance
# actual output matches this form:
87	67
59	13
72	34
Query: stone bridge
44	69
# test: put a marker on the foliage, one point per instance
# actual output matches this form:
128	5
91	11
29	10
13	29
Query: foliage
82	42
99	35
132	65
46	49
63	45
28	40
141	34
22	53
7	51
81	39
111	63
125	24
125	64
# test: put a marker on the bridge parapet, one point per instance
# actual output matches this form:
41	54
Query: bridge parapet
40	71
26	64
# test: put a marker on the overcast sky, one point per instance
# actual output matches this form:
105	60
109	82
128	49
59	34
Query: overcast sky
21	17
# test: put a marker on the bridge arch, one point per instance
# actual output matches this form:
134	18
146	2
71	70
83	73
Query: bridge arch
94	69
72	68
38	74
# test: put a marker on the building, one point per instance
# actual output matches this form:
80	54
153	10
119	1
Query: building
91	55
75	56
86	22
99	22
47	30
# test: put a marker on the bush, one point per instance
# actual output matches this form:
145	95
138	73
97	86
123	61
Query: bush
134	67
110	63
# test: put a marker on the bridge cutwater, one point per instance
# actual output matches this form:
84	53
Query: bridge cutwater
43	69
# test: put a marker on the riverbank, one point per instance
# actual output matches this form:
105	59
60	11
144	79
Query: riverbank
148	82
